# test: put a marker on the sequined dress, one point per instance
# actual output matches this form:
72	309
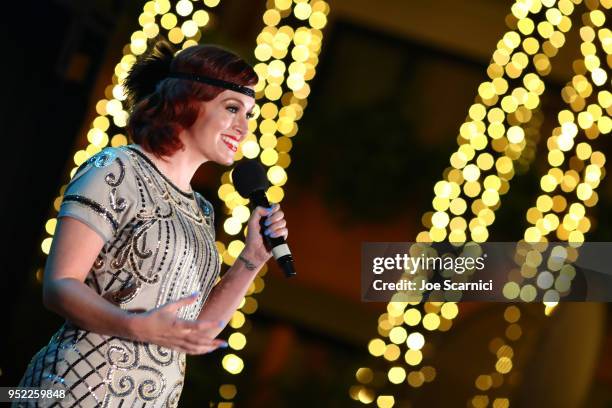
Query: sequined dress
159	247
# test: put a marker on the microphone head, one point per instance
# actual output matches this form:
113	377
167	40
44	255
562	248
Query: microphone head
249	176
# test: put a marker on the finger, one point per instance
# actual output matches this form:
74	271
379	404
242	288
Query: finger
284	232
277	225
184	347
173	344
256	215
261	212
199	340
196	325
199	347
275	217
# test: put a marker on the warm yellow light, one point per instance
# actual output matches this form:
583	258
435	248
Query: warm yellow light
235	247
275	194
80	157
227	391
232	363
302	10
503	365
269	157
46	245
317	20
416	378
263	52
516	134
237	341
396	375
241	213
237	320
250	149
431	321
189	28
471	172
398	335
176	35
271	17
168	21
449	310
392	351
385	401
413	357
376	347
277	175
412	317
50	226
201	18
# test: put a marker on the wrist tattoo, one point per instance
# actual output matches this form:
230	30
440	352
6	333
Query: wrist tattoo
248	264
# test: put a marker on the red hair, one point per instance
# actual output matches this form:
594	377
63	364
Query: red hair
161	106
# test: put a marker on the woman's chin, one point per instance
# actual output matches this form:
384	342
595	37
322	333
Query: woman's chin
227	161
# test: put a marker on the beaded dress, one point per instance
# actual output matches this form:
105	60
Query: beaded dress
159	247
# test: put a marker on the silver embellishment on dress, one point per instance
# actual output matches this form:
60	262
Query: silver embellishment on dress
174	395
160	354
151	387
162	248
118	204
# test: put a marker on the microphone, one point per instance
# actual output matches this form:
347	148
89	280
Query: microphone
251	182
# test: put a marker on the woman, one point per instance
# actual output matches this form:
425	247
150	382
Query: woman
133	261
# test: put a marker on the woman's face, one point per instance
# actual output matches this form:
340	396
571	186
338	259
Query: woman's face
221	125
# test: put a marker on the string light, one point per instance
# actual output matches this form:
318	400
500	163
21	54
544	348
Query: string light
504	120
287	62
566	217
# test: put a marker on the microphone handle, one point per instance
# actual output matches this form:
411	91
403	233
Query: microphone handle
279	247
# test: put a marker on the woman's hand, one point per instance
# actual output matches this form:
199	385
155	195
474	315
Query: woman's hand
161	326
275	226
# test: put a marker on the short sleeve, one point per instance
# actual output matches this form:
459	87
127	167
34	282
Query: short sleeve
102	193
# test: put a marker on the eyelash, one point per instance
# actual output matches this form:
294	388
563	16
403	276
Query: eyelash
235	109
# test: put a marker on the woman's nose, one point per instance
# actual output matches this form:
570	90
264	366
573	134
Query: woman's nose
241	126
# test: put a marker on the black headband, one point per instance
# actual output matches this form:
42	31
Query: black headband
214	82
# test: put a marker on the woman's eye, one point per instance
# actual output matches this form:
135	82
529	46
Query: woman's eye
232	109
250	115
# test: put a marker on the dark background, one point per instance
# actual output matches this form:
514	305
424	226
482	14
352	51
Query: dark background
393	84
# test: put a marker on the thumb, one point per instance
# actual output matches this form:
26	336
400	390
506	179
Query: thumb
175	305
257	214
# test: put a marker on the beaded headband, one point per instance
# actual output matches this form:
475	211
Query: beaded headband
214	82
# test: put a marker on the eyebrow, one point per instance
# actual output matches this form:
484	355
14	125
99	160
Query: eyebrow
239	101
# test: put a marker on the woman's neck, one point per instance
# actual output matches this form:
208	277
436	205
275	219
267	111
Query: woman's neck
178	168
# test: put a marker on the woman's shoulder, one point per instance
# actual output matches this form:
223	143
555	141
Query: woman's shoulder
103	192
105	158
205	205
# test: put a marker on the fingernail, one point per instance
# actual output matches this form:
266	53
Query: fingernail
267	222
221	323
267	232
223	345
195	293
